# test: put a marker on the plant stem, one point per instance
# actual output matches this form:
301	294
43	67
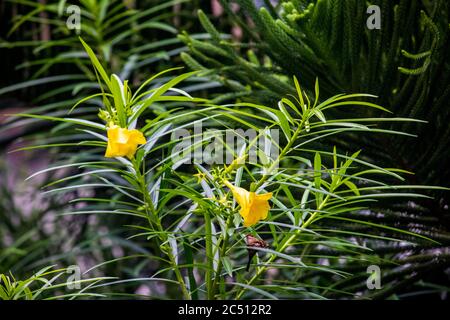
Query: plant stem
209	256
285	150
286	243
223	249
153	217
283	246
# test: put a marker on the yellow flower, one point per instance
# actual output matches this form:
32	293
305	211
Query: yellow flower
254	207
123	142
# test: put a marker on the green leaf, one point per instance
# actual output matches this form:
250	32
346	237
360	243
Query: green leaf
319	115
161	90
316	90
318	177
352	186
228	265
300	94
120	102
96	63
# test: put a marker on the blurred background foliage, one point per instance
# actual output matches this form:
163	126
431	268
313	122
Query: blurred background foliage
246	51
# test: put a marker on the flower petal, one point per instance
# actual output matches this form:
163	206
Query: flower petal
241	195
260	208
254	207
123	142
137	137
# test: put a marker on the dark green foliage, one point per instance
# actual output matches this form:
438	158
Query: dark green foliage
405	64
46	71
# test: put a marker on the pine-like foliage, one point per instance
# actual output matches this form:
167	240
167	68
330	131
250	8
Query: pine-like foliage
405	63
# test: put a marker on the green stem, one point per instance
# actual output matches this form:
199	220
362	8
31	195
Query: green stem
286	243
283	246
285	150
223	249
153	220
209	256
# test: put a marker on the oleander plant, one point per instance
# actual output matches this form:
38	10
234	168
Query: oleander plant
224	150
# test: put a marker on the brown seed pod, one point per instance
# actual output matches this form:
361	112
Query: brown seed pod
253	242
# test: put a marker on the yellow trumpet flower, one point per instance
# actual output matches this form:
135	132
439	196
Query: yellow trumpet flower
254	207
123	142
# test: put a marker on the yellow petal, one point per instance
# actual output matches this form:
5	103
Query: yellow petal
260	206
122	149
263	197
123	135
113	132
109	152
245	212
137	137
112	149
131	151
241	195
250	220
254	207
123	142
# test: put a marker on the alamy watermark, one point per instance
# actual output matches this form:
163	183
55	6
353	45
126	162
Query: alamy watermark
212	146
73	22
74	279
374	20
374	279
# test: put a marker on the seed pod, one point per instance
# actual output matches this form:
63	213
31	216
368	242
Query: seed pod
253	242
